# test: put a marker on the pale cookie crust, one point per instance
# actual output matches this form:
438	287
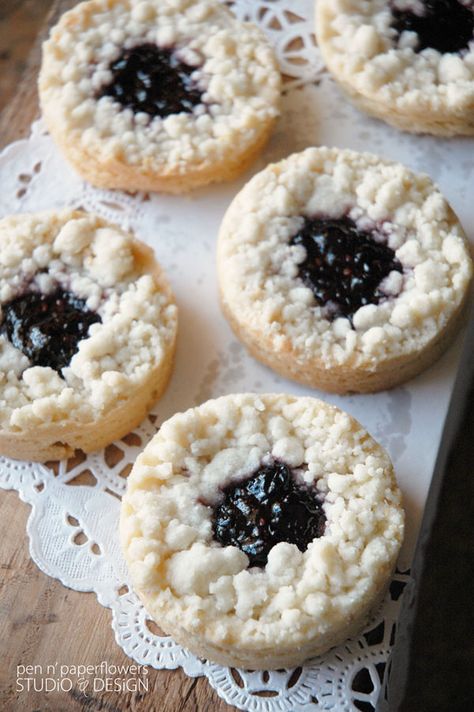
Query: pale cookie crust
300	603
124	364
114	148
425	92
277	317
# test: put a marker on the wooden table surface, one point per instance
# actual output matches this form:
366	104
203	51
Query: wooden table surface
41	622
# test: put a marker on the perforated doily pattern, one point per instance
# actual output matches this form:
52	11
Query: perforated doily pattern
75	505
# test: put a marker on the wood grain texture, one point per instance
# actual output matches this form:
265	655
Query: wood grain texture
17	116
41	622
20	21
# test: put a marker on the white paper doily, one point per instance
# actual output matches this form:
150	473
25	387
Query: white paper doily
75	505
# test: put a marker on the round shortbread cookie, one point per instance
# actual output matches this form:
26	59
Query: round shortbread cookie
260	530
408	62
87	334
342	271
159	95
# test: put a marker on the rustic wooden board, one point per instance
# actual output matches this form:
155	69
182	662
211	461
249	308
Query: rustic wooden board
41	622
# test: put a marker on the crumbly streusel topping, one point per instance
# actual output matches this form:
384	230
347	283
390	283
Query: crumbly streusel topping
259	268
167	535
99	263
365	52
235	66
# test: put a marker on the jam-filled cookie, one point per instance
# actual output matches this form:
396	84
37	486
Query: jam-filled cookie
87	334
341	270
159	95
260	530
408	62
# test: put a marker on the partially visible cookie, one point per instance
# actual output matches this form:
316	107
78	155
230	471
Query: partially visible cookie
87	334
158	95
260	530
408	62
342	270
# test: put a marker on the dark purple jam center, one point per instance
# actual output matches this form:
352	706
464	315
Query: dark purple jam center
344	266
267	508
47	327
153	80
444	25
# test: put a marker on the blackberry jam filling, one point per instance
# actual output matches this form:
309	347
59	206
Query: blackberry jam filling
153	80
344	266
445	25
47	327
267	508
